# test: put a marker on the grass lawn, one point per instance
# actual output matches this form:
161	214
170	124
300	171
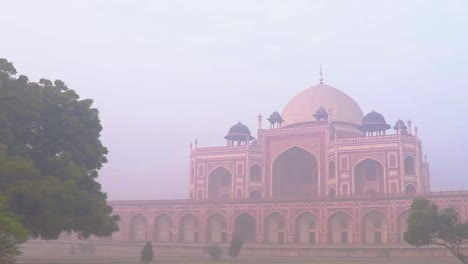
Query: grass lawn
245	260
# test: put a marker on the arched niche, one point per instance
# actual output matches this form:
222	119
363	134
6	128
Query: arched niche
374	228
255	195
219	183
256	173
138	228
216	229
409	166
403	225
163	228
306	228
295	174
410	189
332	192
244	227
275	229
340	229
188	229
331	170
368	177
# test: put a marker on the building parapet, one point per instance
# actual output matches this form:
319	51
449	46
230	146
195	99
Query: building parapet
373	139
373	197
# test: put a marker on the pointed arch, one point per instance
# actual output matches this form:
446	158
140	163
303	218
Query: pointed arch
275	228
368	177
410	188
374	228
409	165
340	229
163	228
245	227
219	183
332	191
216	228
306	228
138	228
403	225
188	229
255	195
255	173
295	173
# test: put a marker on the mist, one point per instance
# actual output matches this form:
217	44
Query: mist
163	74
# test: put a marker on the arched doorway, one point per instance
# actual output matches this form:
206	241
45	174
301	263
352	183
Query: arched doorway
163	228
188	229
306	229
219	183
368	177
274	229
138	226
374	228
256	173
216	229
402	225
295	174
340	229
244	227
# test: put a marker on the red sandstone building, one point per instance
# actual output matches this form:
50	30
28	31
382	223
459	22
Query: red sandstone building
320	173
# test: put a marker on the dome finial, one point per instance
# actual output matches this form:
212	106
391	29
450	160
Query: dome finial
321	74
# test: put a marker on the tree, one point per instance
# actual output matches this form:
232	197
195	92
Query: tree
429	226
12	233
50	155
147	253
236	245
214	251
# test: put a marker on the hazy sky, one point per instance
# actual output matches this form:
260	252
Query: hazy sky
163	73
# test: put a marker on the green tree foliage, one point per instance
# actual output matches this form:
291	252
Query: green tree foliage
146	255
12	233
50	155
429	226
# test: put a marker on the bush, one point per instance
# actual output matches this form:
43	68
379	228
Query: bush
214	251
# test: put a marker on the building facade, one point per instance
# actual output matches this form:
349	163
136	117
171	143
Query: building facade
320	173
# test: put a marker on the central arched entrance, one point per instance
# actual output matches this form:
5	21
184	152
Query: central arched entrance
295	174
219	183
245	227
368	177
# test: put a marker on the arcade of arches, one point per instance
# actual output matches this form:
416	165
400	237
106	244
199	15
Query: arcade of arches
304	227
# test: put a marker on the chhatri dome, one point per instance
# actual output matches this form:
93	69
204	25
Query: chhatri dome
302	107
